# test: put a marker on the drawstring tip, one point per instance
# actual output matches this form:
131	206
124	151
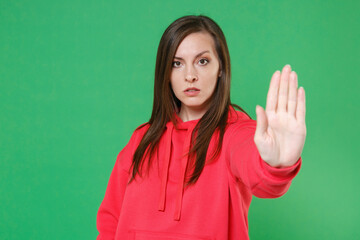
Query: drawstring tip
177	216
161	206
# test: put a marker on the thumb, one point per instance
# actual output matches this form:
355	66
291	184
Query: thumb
261	121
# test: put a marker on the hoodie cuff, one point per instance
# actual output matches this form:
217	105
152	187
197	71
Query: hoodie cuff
280	175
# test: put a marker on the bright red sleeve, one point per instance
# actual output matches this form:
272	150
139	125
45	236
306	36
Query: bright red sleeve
246	165
109	210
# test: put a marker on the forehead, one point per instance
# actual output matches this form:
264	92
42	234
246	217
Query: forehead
194	43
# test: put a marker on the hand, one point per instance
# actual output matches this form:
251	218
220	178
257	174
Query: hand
280	130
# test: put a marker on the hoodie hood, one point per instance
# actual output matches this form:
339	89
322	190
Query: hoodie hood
189	127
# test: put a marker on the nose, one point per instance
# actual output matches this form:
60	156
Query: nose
191	75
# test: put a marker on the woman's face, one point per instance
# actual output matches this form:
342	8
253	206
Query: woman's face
194	74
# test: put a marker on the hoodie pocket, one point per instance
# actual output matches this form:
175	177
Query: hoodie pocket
150	235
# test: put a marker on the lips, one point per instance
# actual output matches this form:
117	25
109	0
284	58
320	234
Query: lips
191	89
192	92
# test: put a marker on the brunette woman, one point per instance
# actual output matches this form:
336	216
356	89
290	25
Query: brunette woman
191	170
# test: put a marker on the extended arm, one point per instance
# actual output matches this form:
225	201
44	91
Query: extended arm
246	164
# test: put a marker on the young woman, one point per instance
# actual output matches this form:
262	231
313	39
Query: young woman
190	172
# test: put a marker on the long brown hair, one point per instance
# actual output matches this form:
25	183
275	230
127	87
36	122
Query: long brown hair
165	102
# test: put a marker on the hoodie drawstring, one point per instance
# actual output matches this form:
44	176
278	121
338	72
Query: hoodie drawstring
165	171
184	162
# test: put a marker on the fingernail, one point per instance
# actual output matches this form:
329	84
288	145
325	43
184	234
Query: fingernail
288	65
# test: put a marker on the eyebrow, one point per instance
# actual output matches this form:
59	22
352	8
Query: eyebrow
197	55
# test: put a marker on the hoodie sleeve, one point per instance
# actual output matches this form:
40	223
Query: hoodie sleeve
246	165
109	210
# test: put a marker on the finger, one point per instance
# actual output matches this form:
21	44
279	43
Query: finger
283	89
261	122
300	109
293	85
272	95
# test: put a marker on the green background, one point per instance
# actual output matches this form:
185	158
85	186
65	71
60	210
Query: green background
76	79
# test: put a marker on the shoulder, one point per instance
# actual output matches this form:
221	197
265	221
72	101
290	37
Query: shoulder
240	130
240	121
239	133
125	156
138	133
141	130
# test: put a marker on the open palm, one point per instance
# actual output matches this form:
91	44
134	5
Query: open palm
281	130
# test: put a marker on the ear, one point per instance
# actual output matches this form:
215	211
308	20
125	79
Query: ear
220	72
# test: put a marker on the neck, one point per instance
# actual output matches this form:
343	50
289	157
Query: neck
187	114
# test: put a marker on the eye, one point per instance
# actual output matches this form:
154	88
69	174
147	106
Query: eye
203	61
176	64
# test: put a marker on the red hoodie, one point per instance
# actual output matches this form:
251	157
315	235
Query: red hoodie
159	207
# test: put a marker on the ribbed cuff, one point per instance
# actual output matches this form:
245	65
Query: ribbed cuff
280	175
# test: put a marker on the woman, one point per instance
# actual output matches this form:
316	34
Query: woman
190	172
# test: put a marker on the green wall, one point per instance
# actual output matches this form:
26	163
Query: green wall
76	78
